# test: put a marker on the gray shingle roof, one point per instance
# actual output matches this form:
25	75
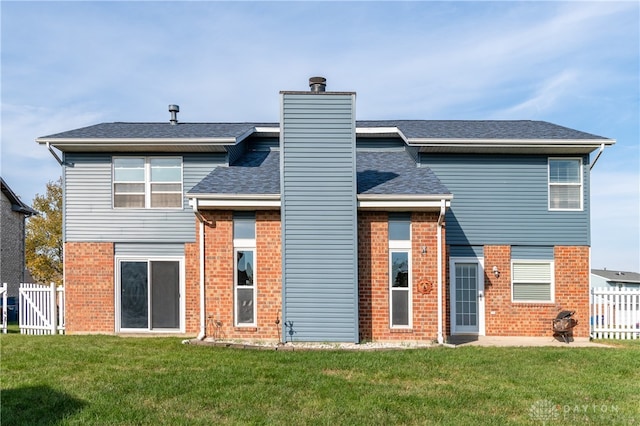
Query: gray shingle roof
618	276
480	129
378	173
256	172
412	129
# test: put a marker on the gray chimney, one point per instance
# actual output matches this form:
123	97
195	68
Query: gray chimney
317	84
174	110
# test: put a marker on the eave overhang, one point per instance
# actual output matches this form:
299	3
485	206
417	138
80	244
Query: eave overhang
273	202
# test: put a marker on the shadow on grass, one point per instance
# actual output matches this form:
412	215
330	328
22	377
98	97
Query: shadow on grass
37	405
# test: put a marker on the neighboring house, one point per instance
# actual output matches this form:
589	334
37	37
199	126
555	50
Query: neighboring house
602	278
12	233
323	228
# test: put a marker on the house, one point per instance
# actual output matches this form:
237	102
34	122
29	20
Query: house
323	228
13	214
602	278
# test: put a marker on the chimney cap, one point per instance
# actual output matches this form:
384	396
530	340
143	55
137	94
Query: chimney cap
318	84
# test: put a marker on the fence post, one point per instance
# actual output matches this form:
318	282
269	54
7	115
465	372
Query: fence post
54	308
3	289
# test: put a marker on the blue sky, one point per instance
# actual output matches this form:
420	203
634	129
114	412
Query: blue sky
71	64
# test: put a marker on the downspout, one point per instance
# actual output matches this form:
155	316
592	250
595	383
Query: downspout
597	156
56	156
203	320
440	272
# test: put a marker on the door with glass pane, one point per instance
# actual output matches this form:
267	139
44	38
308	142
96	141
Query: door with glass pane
149	295
466	298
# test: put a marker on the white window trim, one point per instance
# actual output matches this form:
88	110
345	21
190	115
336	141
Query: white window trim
552	277
245	247
147	182
118	260
401	247
550	184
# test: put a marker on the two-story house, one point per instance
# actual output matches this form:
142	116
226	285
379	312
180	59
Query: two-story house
323	228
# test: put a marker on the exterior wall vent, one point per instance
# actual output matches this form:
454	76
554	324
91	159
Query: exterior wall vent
318	84
174	110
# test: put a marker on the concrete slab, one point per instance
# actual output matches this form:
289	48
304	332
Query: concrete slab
574	342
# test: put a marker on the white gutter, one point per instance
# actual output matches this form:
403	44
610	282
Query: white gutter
440	272
203	319
597	156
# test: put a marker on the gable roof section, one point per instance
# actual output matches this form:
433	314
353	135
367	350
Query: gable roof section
504	136
384	180
16	203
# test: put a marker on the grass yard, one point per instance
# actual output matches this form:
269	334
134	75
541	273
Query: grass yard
113	380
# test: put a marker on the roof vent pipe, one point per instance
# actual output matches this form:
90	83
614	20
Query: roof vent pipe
174	110
317	84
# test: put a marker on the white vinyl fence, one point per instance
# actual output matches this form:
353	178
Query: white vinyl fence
615	313
3	294
41	309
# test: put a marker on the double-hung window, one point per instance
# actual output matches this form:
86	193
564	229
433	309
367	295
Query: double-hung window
565	184
400	306
532	281
147	182
244	285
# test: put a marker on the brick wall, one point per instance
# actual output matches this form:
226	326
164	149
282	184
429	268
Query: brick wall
219	265
89	287
504	318
373	277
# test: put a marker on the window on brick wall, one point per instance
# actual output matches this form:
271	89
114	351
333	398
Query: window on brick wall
532	281
400	306
565	184
244	282
147	182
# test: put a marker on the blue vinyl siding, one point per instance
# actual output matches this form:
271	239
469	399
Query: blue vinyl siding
88	212
503	199
532	252
319	250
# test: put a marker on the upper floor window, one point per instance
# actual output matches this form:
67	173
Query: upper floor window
565	184
147	182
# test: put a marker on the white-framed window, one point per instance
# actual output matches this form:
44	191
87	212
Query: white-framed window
532	281
565	184
244	276
400	277
147	182
148	293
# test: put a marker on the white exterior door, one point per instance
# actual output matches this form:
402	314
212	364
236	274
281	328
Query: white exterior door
467	301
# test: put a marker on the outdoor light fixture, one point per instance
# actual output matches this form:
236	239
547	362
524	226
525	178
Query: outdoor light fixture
496	272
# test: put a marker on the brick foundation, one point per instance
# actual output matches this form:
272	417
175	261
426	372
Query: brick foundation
89	288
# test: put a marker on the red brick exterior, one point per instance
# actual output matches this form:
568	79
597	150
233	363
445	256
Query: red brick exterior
505	318
373	278
89	288
219	271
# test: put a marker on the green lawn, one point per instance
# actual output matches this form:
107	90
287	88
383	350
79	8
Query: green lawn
112	380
